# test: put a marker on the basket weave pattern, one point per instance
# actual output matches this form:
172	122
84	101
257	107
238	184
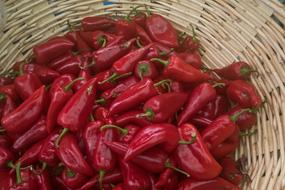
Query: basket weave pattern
250	30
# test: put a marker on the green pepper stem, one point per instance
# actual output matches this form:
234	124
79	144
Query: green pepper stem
2	96
114	77
91	117
244	134
169	165
138	42
70	174
10	164
149	114
69	85
246	71
87	66
134	10
236	115
101	177
100	101
164	62
148	12
162	82
193	139
18	173
123	131
61	135
2	130
143	68
102	40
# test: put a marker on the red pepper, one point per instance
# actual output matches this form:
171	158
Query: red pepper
37	132
150	136
96	23
145	69
7	179
125	28
22	118
236	71
5	156
102	76
132	97
218	131
105	57
59	184
85	74
90	137
168	180
246	119
48	150
45	74
127	63
131	117
101	114
161	30
60	93
134	177
114	176
190	43
103	158
215	108
9	105
81	46
72	179
69	153
157	108
26	180
5	141
60	60
158	50
10	90
152	160
121	87
230	171
96	39
193	156
227	147
177	69
4	80
70	66
139	18
119	187
74	114
201	121
192	58
43	180
213	184
52	49
143	36
244	94
26	85
31	155
132	130
199	97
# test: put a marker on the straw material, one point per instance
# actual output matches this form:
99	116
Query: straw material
250	30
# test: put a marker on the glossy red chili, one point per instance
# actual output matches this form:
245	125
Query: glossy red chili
131	117
96	39
80	45
70	66
73	179
201	121
152	160
58	62
26	180
90	137
144	38
160	30
10	90
236	71
43	180
132	131
213	184
22	118
135	95
230	171
246	119
168	180
193	156
31	155
134	177
145	69
125	28
26	85
76	111
177	69
96	23
52	49
192	58
150	136
36	133
199	97
8	106
244	94
103	158
84	75
157	108
5	156
69	153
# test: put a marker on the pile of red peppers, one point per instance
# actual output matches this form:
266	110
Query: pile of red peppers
123	104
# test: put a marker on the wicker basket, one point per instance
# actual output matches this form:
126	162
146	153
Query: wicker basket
251	30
